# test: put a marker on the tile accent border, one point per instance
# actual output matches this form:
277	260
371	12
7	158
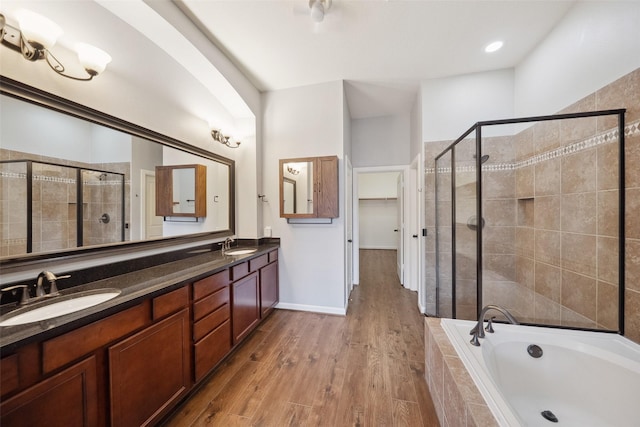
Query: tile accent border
607	137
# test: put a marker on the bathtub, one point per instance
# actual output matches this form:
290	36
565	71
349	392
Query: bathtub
581	378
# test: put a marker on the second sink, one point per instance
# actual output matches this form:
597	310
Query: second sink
240	251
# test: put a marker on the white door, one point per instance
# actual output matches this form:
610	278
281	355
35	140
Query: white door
152	223
400	228
411	266
349	218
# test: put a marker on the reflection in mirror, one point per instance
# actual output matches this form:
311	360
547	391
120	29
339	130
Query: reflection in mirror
299	176
289	195
184	190
66	182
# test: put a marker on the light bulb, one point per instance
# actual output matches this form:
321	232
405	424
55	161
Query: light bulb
317	11
93	60
39	31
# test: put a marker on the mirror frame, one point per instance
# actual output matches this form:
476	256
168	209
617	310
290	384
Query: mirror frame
21	91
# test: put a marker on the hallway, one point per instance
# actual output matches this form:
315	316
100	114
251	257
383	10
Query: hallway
309	369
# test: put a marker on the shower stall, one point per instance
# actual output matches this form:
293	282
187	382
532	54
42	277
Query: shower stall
49	206
529	215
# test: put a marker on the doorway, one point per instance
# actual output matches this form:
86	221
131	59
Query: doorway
151	224
379	215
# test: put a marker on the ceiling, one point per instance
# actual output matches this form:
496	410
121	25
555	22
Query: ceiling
383	49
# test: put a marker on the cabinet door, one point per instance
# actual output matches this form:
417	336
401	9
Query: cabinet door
149	372
268	288
246	306
327	187
68	398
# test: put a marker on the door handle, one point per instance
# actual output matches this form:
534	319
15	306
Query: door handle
395	230
415	236
350	241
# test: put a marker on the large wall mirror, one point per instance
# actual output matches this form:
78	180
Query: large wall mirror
73	177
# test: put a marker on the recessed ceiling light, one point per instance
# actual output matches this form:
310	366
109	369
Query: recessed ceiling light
492	47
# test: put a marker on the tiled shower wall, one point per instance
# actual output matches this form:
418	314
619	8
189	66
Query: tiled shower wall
54	204
562	218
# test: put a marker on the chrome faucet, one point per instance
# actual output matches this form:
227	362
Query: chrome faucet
226	245
51	278
478	330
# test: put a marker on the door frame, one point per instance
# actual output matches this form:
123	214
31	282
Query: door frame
404	169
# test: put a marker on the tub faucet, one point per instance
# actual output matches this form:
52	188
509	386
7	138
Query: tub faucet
478	330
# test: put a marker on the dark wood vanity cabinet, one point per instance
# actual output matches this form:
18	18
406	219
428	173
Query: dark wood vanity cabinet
68	398
133	367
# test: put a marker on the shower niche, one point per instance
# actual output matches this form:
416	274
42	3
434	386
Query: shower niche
50	206
529	215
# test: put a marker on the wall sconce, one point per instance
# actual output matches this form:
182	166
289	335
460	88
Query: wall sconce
218	136
292	171
37	34
318	9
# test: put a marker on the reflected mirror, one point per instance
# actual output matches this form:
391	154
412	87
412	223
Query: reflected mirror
67	182
297	187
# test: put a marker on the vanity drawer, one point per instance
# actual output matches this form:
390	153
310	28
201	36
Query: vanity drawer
211	349
66	348
210	303
170	302
209	285
211	321
258	262
273	255
239	271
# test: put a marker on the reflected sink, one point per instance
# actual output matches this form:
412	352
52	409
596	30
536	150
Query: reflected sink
58	306
240	251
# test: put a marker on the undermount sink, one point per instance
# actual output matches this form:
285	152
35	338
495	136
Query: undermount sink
240	251
58	306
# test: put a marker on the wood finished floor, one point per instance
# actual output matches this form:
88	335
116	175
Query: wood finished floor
308	369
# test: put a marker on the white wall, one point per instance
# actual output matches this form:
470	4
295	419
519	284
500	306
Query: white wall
380	141
595	44
378	216
305	122
451	105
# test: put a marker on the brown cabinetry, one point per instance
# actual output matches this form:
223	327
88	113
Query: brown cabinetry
68	398
134	366
246	306
211	322
181	191
268	288
150	371
309	187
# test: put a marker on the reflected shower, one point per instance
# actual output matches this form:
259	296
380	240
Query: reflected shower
483	159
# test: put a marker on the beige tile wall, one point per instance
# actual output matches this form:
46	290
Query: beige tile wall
54	205
554	223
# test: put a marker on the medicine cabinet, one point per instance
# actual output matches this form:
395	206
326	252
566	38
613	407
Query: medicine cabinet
309	187
181	191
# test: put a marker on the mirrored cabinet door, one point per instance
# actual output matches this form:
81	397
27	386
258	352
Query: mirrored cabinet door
181	191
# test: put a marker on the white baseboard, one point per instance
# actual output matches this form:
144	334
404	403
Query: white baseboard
312	308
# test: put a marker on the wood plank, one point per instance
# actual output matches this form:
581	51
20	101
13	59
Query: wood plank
310	369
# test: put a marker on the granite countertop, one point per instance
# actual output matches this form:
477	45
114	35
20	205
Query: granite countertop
134	287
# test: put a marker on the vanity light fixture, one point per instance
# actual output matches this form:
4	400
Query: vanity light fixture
36	35
218	136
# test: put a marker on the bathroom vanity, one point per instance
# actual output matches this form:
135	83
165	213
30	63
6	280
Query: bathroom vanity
131	360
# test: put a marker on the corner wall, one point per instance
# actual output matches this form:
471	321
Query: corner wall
306	122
